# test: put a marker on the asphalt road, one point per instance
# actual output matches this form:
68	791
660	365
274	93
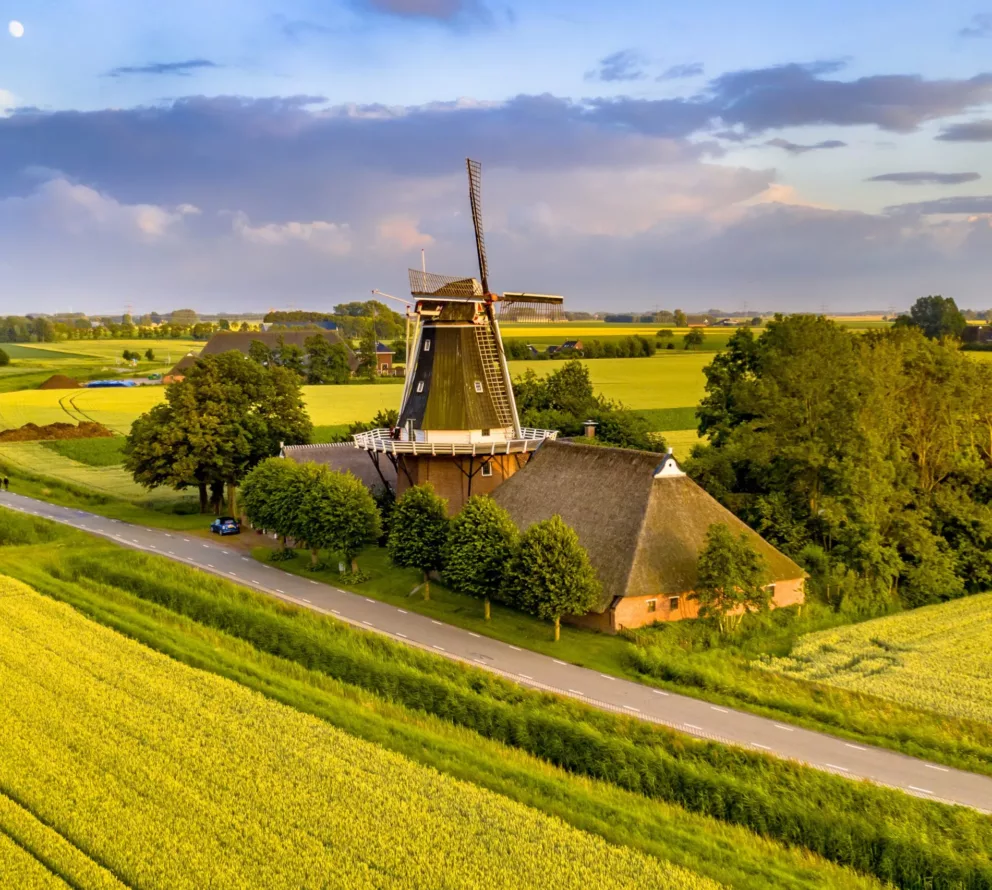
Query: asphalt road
689	715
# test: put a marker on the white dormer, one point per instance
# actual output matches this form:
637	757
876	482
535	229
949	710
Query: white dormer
668	467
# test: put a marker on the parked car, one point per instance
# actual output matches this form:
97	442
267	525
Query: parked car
226	525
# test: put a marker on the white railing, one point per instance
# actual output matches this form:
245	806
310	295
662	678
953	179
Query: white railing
382	440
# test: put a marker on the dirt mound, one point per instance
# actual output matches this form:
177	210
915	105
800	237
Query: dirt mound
31	432
59	381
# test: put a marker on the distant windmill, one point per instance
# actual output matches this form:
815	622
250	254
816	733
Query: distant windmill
458	419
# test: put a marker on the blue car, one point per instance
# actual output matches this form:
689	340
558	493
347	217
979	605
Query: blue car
226	525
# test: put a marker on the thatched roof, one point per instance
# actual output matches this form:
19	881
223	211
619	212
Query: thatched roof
642	521
183	365
344	457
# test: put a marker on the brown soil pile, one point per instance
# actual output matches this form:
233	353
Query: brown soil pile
60	381
31	432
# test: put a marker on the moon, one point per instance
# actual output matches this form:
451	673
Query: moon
16	29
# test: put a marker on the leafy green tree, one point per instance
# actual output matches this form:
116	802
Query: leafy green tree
231	412
260	353
290	357
367	352
150	355
681	319
694	339
731	578
480	544
184	317
936	316
550	574
327	362
419	531
271	494
4	358
336	513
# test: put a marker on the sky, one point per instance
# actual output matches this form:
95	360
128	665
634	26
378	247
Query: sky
241	156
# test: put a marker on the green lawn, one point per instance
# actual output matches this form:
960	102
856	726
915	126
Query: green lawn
92	452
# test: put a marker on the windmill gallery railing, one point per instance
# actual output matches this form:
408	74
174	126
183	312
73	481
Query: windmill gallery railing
386	442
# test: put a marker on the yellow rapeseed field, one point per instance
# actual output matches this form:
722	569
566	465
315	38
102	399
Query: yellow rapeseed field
938	658
174	778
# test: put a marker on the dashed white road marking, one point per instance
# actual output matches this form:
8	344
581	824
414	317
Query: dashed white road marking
209	566
401	636
256	581
856	747
632	708
693	726
659	692
763	747
780	726
368	624
232	574
516	648
474	635
335	612
576	692
370	600
941	769
556	661
525	676
721	710
439	648
607	677
436	622
403	611
843	769
280	591
921	790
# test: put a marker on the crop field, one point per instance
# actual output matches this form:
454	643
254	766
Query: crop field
111	480
664	381
237	790
937	658
101	350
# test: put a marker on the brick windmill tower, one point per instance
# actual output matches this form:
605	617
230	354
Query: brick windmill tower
458	426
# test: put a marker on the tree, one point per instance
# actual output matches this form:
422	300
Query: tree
367	352
481	542
184	317
4	358
694	339
419	531
336	513
260	353
150	354
756	321
328	362
227	415
681	319
550	574
271	494
731	578
936	316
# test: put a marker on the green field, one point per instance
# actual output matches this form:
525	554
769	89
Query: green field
938	658
239	791
665	381
100	350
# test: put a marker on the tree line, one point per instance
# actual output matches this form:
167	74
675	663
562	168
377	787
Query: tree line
867	457
41	329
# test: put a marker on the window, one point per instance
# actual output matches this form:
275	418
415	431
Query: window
487	469
486	432
478	386
427	345
652	605
420	386
673	604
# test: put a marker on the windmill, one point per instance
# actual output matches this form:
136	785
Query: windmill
458	419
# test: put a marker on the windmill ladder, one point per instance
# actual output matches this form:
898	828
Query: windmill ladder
489	352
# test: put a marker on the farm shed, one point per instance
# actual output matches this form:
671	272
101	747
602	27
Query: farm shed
643	523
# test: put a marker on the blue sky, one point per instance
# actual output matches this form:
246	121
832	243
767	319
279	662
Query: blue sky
637	155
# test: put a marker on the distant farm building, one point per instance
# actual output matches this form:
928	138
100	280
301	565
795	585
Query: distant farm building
384	359
643	523
567	346
240	341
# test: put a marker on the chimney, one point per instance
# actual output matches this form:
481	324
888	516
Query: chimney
589	429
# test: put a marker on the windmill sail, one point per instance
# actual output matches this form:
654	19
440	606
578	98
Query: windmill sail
531	307
475	199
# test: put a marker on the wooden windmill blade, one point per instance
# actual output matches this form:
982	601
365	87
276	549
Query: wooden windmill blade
531	307
475	199
428	284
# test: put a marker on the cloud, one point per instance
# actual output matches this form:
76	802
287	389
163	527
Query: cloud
680	72
925	177
183	69
328	237
623	65
437	10
980	26
972	131
797	95
971	205
794	148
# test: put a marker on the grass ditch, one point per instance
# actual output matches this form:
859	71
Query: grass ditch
897	838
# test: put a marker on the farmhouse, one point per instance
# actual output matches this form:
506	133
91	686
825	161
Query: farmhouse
384	359
240	341
643	523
